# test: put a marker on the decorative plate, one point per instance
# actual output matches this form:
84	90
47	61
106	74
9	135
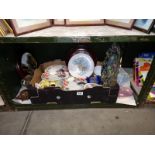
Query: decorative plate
81	65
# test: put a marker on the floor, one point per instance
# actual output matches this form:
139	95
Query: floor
79	121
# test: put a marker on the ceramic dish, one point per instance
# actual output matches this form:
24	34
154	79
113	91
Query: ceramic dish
54	73
81	65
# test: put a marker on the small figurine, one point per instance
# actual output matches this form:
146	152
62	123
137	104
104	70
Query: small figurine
24	95
28	63
110	67
25	67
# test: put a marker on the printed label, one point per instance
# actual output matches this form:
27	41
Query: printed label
80	93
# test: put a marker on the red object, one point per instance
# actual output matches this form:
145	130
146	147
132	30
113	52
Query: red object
145	67
22	73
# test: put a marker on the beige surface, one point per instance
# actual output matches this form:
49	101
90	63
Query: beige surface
92	121
1	101
83	31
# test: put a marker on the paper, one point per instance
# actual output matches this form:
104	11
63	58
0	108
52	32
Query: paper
29	22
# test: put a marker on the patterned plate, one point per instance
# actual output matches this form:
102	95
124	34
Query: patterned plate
54	73
81	65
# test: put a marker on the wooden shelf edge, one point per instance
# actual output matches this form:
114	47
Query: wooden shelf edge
78	39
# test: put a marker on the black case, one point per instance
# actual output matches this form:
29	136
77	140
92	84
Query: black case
87	96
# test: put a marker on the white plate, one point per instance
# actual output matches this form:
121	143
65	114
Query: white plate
81	65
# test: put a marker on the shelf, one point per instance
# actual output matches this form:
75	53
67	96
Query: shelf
86	34
92	34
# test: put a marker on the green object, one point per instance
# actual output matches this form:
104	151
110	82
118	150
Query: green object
110	66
